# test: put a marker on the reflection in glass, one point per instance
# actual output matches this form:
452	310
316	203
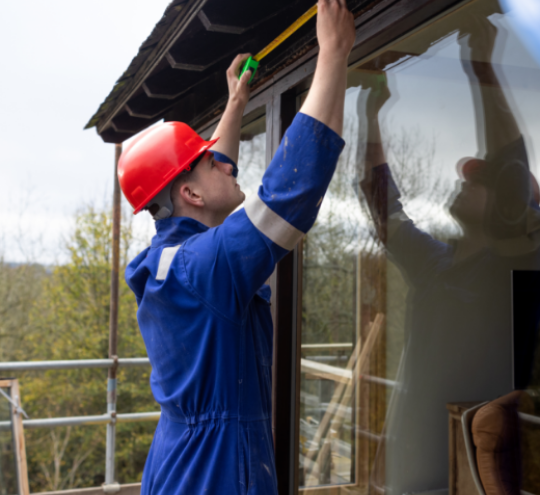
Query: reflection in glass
8	467
251	162
407	275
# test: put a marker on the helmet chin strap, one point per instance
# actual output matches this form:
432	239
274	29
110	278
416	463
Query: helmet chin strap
162	202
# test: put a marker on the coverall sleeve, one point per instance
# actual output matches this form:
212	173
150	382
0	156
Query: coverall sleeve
227	265
414	251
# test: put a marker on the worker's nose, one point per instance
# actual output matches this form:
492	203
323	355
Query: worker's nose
230	169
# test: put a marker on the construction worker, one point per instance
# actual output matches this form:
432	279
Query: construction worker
204	308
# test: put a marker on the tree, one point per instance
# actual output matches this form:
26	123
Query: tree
20	285
69	320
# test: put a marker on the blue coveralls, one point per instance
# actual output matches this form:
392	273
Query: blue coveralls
204	313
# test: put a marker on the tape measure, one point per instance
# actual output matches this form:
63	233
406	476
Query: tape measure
253	62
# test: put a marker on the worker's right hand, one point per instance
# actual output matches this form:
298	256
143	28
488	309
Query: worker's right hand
238	88
335	28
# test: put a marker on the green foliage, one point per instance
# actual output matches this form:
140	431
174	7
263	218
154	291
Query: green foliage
68	318
20	285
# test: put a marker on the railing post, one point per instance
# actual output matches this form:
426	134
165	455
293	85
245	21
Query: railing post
113	329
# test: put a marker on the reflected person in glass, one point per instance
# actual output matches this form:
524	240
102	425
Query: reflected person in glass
458	341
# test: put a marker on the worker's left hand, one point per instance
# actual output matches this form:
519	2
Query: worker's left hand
238	88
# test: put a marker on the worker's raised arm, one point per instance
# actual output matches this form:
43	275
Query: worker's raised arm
335	33
512	191
228	129
244	250
493	112
376	84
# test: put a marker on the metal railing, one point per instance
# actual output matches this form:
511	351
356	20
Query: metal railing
108	418
111	417
84	420
72	365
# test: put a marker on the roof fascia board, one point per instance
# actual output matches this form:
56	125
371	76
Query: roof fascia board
160	51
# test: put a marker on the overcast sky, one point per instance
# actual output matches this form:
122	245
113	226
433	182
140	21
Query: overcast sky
60	59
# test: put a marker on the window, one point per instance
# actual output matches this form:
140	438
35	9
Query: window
407	275
251	162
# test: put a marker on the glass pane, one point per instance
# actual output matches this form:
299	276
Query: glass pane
8	466
411	306
252	161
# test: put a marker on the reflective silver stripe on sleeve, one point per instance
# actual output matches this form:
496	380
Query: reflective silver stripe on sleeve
167	255
271	224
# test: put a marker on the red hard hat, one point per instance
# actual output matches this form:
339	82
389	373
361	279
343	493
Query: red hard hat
155	157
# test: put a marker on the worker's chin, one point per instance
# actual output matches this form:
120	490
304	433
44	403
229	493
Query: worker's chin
240	197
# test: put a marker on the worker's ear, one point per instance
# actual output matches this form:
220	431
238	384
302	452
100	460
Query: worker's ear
190	194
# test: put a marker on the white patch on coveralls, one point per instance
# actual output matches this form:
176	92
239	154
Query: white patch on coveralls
271	224
167	255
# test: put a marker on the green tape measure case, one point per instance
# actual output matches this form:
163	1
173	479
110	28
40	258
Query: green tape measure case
249	64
